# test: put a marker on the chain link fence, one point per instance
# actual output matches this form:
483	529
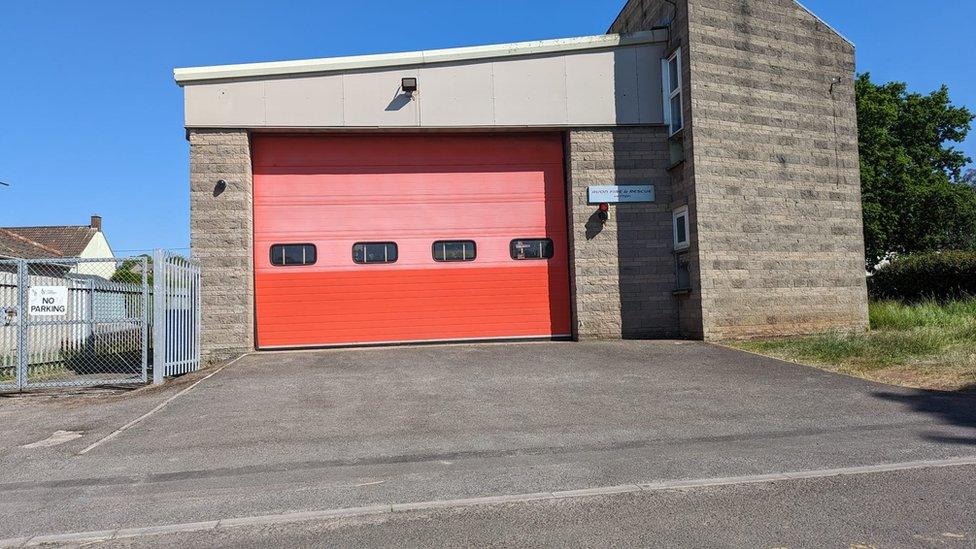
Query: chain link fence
9	333
83	322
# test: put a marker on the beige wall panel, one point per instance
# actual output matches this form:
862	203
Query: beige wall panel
593	80
619	86
373	99
297	102
216	104
456	95
649	90
530	92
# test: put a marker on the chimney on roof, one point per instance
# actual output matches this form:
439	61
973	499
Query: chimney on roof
96	222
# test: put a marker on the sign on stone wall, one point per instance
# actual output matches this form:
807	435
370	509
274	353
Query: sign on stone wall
48	300
620	193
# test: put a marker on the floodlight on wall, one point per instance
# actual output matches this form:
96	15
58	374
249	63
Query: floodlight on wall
409	85
835	81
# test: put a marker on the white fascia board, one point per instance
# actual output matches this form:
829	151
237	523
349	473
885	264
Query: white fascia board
358	62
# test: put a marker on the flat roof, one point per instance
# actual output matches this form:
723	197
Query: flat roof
425	57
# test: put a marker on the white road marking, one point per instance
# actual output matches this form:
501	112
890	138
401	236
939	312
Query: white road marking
330	514
59	437
161	405
374	483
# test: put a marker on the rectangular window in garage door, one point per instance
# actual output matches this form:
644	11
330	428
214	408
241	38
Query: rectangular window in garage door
283	255
531	248
374	252
454	250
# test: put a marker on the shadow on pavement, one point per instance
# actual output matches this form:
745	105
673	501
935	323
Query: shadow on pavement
957	409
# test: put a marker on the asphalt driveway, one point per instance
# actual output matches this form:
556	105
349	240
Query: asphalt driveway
292	431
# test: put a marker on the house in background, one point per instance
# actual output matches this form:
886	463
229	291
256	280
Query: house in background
60	241
99	309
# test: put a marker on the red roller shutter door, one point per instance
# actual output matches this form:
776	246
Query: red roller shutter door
338	190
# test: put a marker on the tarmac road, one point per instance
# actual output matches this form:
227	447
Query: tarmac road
280	433
930	507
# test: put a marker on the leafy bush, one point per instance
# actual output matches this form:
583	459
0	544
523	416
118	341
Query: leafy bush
938	275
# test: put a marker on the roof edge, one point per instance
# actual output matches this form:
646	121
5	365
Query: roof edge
191	75
46	227
825	23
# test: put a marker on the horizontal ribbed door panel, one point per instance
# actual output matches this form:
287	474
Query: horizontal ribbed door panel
334	191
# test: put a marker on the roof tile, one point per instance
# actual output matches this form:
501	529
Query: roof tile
40	242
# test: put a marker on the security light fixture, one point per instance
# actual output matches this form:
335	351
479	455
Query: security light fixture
835	81
409	85
220	187
603	212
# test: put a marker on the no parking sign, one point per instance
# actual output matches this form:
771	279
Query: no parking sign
48	300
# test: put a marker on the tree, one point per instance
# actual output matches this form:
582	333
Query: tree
914	194
130	272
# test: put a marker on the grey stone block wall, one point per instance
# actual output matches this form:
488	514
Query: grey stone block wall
771	166
640	15
221	236
776	171
622	271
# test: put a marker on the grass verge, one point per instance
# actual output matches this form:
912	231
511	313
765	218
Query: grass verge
926	345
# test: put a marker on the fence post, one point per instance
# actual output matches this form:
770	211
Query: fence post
23	352
159	316
145	319
198	315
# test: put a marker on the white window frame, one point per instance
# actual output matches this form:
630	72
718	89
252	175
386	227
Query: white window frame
672	90
682	211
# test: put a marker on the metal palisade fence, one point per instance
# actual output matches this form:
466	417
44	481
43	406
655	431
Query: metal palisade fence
84	322
176	315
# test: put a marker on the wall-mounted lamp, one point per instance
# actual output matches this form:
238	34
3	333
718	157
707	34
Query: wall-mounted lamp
409	85
834	81
220	187
603	212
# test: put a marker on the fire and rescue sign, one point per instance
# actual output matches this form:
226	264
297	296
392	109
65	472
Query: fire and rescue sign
620	193
48	300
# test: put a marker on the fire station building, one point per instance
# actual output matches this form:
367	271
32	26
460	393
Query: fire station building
691	174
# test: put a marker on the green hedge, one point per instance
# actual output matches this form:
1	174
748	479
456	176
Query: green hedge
942	276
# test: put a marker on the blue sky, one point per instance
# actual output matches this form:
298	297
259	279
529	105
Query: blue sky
91	121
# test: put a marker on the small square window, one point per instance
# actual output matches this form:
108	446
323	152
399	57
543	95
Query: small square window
287	255
680	217
374	252
531	248
454	250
